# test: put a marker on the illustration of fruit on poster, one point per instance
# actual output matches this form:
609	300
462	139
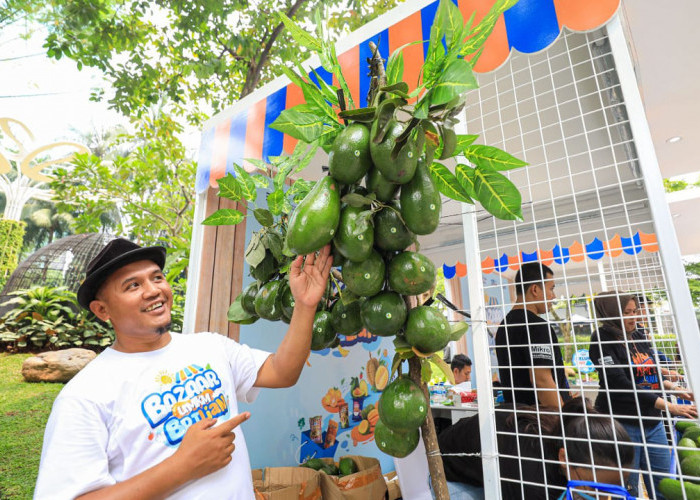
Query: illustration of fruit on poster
344	413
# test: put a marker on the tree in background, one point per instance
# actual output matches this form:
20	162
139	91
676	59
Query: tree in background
150	188
692	273
200	56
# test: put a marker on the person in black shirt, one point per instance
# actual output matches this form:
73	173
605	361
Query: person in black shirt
630	386
530	365
550	449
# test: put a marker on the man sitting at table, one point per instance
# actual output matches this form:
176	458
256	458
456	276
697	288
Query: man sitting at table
461	367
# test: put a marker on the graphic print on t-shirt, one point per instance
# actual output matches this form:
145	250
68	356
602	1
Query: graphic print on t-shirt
190	395
645	374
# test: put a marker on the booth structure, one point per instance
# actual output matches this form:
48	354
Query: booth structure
557	89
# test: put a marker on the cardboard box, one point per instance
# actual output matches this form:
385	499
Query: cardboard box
366	484
287	483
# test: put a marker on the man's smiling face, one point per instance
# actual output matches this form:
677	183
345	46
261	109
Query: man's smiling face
136	299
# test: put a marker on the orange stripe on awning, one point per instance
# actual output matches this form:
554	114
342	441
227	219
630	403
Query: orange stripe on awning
576	252
546	256
294	96
583	15
402	33
218	161
649	242
351	71
254	134
613	246
460	269
496	48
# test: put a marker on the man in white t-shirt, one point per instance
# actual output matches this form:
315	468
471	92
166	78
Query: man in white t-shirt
156	414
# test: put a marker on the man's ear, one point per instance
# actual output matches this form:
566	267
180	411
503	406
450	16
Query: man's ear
562	455
99	309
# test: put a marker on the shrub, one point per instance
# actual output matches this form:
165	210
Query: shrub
50	318
11	239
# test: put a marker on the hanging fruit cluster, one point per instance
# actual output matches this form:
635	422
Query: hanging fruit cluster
384	188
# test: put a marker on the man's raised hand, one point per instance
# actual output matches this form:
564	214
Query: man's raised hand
308	277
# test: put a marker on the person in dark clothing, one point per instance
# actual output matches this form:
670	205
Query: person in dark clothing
550	449
530	364
630	386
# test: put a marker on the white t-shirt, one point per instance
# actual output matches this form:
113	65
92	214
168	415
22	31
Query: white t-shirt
124	413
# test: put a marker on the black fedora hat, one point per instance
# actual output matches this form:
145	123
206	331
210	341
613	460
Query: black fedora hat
117	253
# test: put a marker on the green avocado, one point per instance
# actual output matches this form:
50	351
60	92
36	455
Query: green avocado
314	463
349	157
287	301
687	443
421	204
690	466
323	333
365	279
427	329
672	489
248	299
411	273
268	301
330	469
315	220
692	433
346	318
384	314
400	169
352	241
684	425
402	405
390	232
397	444
347	466
382	188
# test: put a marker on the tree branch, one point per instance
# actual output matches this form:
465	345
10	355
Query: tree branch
253	76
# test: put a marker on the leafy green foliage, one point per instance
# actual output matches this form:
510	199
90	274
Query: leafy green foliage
50	318
692	273
150	188
673	186
11	238
200	56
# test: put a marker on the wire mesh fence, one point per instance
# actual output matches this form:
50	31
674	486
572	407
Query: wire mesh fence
588	364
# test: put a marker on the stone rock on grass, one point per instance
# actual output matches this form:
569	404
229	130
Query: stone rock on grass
56	366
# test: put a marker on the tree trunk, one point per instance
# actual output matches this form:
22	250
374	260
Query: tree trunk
432	450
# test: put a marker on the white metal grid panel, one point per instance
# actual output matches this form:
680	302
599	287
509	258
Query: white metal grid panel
563	112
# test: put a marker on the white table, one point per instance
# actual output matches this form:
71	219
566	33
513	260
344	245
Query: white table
456	412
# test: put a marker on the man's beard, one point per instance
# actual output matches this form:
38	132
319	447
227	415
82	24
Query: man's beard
164	329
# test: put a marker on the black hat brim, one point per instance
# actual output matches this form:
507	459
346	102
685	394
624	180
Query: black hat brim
88	289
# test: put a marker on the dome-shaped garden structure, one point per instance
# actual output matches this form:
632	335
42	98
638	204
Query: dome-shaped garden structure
62	263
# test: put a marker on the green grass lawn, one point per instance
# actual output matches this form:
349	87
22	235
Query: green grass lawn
24	409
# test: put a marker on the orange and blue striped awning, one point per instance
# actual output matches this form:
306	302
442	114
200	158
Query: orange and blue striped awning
529	26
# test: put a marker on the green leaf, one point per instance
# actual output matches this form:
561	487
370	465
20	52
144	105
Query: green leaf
498	194
275	202
400	89
395	363
449	142
451	20
365	115
328	91
300	189
362	223
356	200
224	217
306	127
447	183
264	217
426	371
255	252
385	112
457	78
464	141
457	330
401	345
490	156
248	188
229	188
275	243
466	178
394	68
236	313
444	367
302	37
261	181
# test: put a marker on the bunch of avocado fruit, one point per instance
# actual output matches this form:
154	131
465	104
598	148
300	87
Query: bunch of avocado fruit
345	467
689	456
